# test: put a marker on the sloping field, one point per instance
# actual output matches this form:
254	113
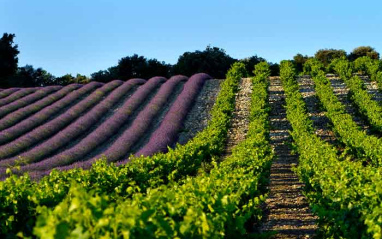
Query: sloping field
72	126
266	157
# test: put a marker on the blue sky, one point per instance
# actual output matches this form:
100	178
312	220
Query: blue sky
83	36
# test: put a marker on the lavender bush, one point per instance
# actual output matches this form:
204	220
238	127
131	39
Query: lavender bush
22	113
16	96
7	92
27	99
141	123
106	130
32	122
167	132
54	126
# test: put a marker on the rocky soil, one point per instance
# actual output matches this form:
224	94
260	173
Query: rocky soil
286	210
199	115
240	117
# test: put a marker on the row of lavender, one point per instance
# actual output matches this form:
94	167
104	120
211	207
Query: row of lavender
39	134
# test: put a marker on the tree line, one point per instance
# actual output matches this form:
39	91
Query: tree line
326	56
212	60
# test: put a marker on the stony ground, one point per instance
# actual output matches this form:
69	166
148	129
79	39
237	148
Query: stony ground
240	117
341	91
199	115
372	88
286	209
320	122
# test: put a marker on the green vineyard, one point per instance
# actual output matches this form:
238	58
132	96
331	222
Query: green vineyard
289	156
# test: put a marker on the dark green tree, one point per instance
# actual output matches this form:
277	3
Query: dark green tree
326	56
132	67
363	51
105	75
299	61
213	61
28	76
250	63
8	59
274	68
64	80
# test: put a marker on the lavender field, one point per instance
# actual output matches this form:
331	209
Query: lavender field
73	126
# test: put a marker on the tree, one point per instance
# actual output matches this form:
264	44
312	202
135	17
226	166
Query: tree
213	61
250	63
105	75
274	68
64	80
27	76
299	61
134	66
8	58
363	51
327	55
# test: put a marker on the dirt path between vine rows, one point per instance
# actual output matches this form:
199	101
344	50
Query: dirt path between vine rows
341	91
372	88
286	209
240	117
316	113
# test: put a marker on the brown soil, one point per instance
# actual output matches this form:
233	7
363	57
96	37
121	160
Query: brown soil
286	209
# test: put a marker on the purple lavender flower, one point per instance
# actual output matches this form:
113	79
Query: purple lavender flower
95	138
28	124
47	130
22	113
27	99
16	96
142	122
168	130
7	92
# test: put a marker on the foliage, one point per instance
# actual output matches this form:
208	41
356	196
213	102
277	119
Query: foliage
105	75
28	76
250	62
371	67
213	61
363	51
8	59
344	194
358	93
134	66
299	61
212	205
368	148
20	196
275	69
326	56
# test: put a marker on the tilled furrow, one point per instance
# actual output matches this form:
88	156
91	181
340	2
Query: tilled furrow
286	209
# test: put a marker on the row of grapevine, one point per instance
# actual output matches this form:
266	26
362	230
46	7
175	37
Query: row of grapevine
372	67
366	105
20	197
368	148
213	204
344	194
